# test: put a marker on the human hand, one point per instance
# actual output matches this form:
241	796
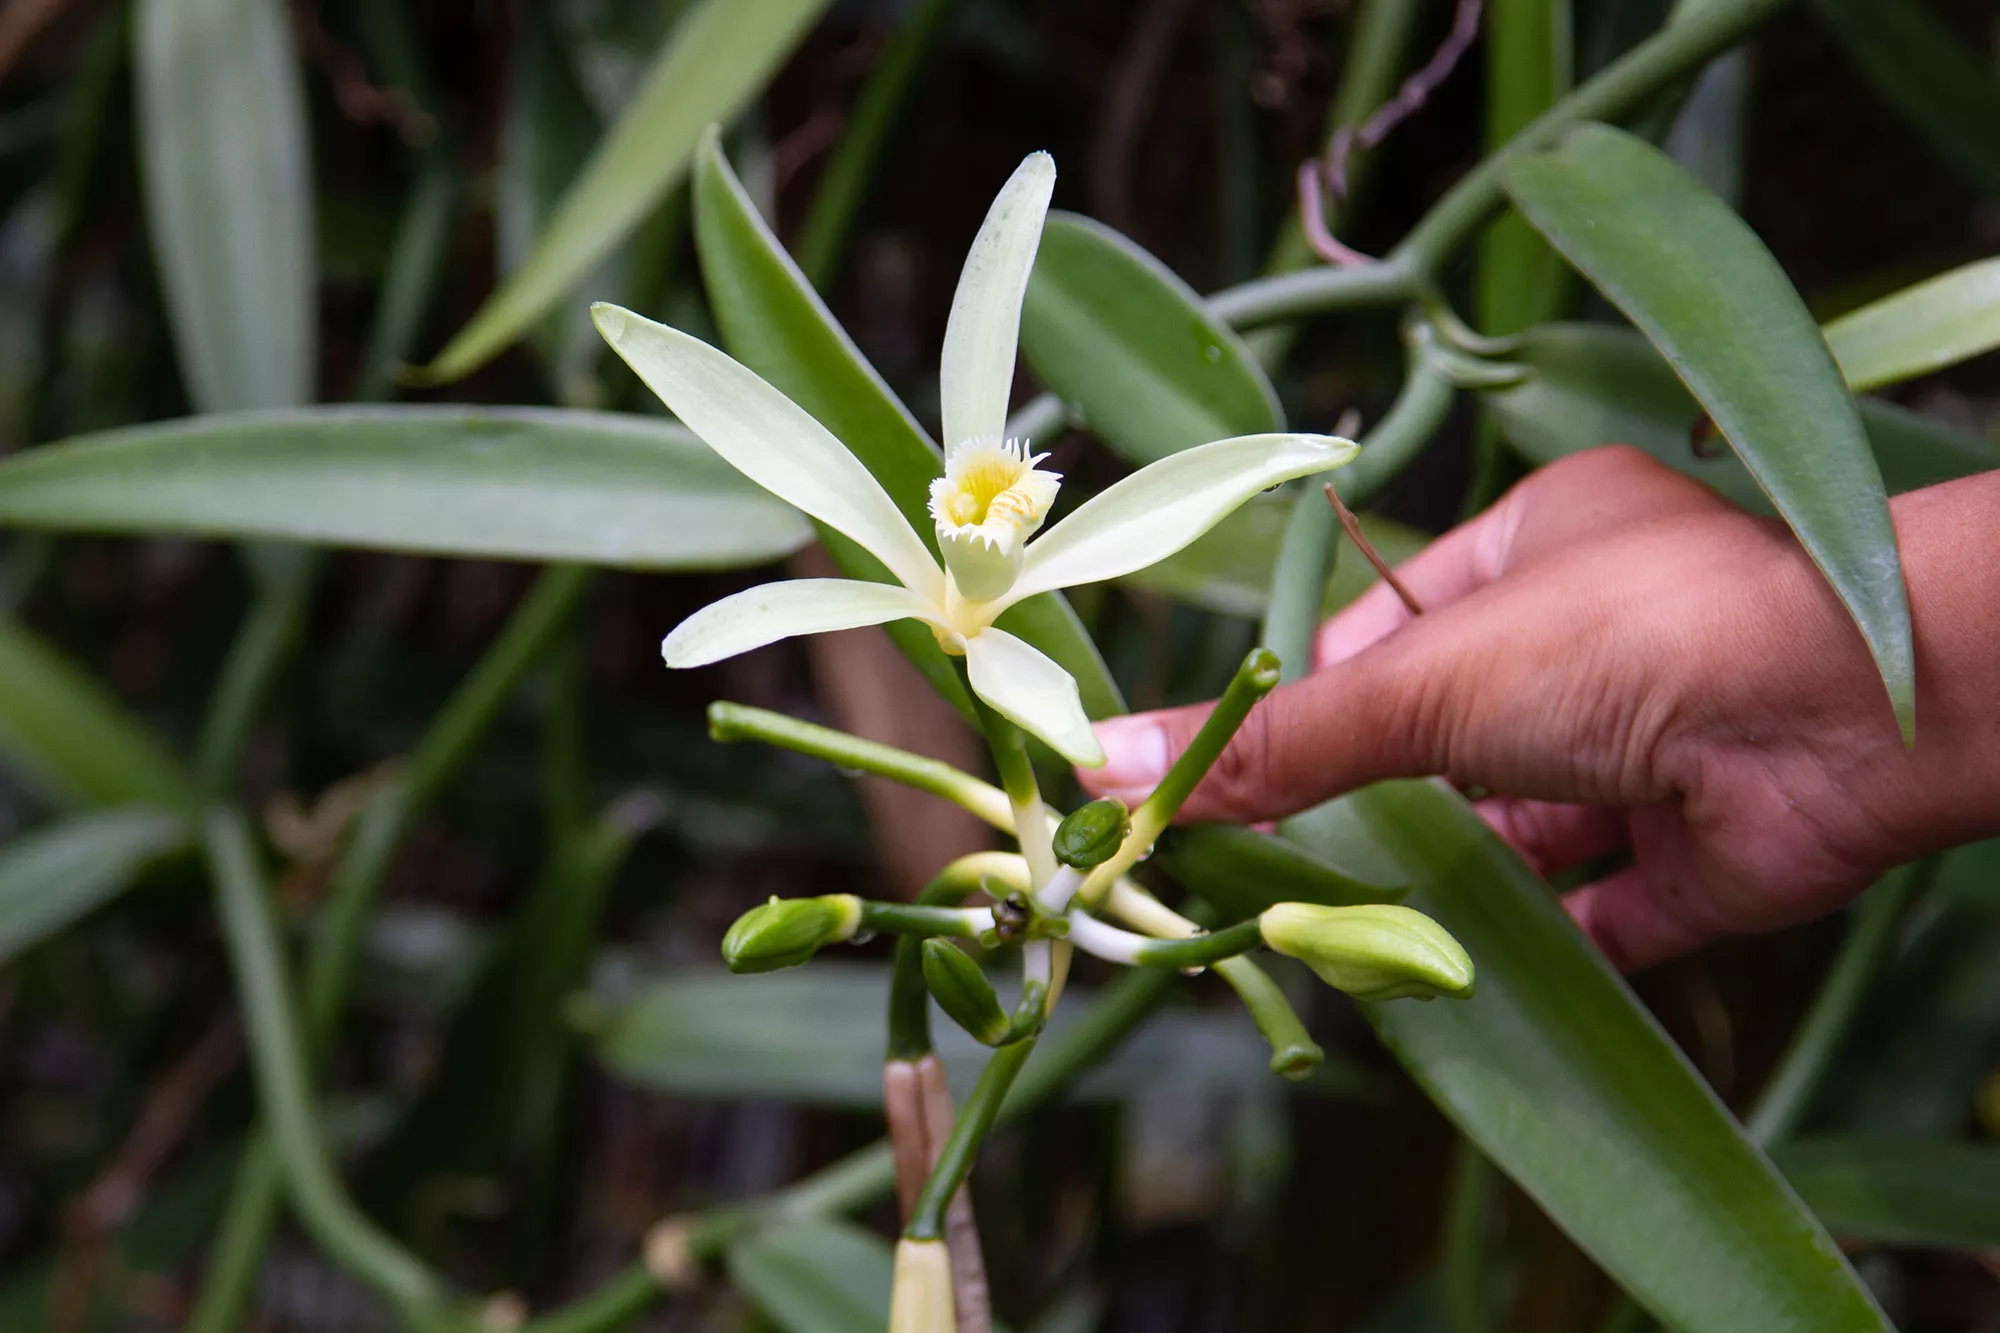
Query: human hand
1628	661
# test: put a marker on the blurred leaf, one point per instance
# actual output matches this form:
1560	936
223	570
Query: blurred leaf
1113	331
1596	384
1934	324
228	190
1925	73
1227	569
522	483
1898	1191
55	875
71	740
718	57
1241	872
1558	1073
774	323
815	1035
816	1275
1705	291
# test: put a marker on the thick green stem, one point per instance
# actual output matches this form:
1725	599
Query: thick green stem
1294	1054
278	1057
975	1118
823	237
1201	950
909	997
918	920
1255	678
1789	1094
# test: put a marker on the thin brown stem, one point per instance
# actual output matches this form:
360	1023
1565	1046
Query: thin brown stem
1351	525
909	1139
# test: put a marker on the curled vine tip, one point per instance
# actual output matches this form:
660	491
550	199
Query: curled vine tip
787	931
964	993
921	1300
1377	951
1296	1061
1093	834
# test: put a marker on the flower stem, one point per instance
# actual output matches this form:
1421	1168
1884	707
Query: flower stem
914	919
1294	1054
909	999
975	1118
1193	951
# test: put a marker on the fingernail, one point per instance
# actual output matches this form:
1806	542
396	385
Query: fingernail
1136	757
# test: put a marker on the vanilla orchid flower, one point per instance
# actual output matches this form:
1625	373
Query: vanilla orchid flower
992	498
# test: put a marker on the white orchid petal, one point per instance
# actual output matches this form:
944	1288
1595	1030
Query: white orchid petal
1162	507
774	611
1027	687
976	374
769	439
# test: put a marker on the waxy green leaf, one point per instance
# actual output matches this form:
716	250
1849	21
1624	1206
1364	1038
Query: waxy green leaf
1116	334
815	1275
520	483
1598	384
1704	290
53	876
69	739
1936	323
774	323
718	57
1899	1191
228	191
1558	1073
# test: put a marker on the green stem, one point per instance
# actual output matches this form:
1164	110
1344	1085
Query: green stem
1306	555
1294	1054
955	1159
1472	1182
1787	1097
278	1058
262	645
823	237
913	919
357	881
1411	422
909	996
1676	50
729	722
1255	678
1202	950
1024	796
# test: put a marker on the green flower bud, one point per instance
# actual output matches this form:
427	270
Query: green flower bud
1373	952
1092	834
963	992
787	931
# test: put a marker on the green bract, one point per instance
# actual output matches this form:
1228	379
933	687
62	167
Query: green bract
963	992
785	932
1376	951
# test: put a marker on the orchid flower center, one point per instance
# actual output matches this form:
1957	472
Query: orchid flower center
990	500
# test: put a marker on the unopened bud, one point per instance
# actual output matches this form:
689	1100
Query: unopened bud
1376	951
787	931
921	1300
1091	835
963	992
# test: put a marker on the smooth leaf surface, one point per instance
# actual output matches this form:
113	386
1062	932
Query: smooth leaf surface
815	1035
227	171
1704	290
1598	384
774	323
816	1275
1560	1076
1929	76
68	738
520	483
1898	1191
55	875
718	57
1936	323
1115	333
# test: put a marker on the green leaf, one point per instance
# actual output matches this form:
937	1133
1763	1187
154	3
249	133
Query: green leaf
1228	569
718	57
71	740
815	1035
1705	291
228	192
1529	66
1114	332
1936	323
1597	384
1922	70
1241	872
54	876
816	1275
521	483
774	323
1898	1191
1558	1073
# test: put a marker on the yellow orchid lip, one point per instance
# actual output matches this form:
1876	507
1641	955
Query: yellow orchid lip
990	500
